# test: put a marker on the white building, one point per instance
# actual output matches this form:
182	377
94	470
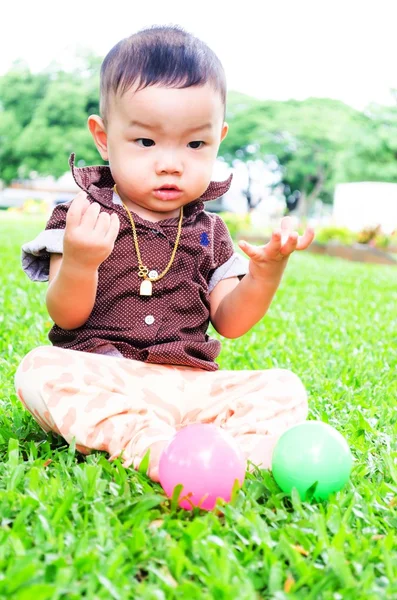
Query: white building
366	204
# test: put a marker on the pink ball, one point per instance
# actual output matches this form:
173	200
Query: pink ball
206	460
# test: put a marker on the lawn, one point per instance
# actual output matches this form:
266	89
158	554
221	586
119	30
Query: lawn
77	527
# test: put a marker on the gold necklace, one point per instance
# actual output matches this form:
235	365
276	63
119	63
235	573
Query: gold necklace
146	285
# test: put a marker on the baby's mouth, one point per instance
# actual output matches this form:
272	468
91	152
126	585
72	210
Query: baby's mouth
169	187
167	193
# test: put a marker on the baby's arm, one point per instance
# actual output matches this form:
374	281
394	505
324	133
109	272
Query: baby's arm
71	292
88	240
235	307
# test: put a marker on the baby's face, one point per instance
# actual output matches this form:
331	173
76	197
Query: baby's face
164	136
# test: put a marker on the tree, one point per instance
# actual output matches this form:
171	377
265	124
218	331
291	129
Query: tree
312	144
58	128
373	156
10	130
43	118
22	91
304	138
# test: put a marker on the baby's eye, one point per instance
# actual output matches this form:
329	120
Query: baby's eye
196	147
144	144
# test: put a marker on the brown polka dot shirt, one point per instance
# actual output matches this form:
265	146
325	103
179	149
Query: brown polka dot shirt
170	326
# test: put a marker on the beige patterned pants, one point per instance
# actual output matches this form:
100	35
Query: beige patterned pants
125	407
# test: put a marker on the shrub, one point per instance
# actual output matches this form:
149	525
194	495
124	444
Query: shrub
236	223
31	207
337	234
382	241
368	234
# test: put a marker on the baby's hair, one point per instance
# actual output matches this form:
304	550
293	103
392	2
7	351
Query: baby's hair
162	55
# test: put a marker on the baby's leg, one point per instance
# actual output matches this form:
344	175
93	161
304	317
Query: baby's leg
256	407
113	404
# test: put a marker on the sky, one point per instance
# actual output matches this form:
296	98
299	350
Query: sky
276	49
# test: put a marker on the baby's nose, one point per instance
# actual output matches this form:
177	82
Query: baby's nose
169	163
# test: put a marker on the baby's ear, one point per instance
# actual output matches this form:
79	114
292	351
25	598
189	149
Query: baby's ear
225	129
98	132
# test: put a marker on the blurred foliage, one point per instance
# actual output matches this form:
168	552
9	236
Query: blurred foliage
332	233
314	144
311	145
236	223
373	236
240	226
43	118
383	241
368	234
31	206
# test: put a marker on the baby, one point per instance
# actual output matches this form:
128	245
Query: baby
137	270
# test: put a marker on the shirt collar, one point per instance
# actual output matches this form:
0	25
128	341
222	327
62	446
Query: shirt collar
97	181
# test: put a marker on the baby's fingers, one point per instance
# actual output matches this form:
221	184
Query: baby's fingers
250	250
114	228
90	217
306	239
289	244
77	209
276	241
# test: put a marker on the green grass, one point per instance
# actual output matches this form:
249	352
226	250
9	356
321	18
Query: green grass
75	527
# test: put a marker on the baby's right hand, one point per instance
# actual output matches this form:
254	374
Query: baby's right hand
89	234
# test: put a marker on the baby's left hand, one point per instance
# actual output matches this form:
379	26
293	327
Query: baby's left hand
283	242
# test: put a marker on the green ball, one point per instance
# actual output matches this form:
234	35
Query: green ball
308	453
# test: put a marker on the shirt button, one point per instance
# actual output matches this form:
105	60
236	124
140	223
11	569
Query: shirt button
153	274
149	319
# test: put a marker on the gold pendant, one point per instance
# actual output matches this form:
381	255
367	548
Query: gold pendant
146	288
142	271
